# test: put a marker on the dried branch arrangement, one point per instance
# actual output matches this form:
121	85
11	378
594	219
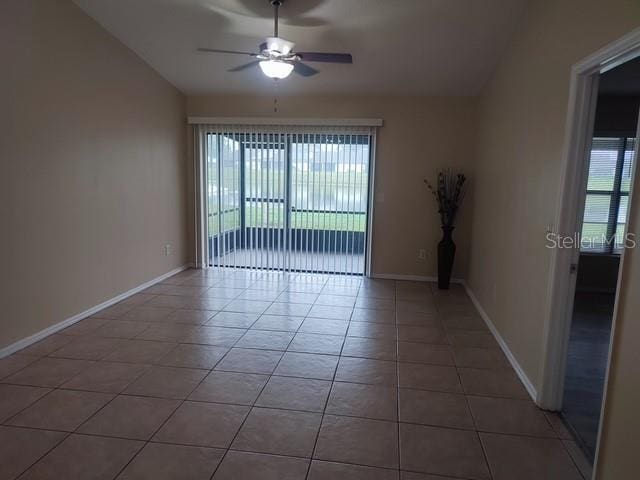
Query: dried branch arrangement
449	193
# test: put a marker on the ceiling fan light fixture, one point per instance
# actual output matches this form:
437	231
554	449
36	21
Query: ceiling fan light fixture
276	68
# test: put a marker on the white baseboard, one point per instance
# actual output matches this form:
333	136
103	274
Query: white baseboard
411	278
528	384
25	342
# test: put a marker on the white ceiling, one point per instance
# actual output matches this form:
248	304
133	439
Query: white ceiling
424	47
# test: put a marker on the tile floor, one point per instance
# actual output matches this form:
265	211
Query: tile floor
253	375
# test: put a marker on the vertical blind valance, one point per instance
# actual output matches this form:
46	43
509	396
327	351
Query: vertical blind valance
290	122
288	129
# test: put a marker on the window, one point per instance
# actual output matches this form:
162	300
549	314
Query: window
605	210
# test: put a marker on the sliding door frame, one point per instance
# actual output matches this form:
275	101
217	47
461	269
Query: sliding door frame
201	128
368	244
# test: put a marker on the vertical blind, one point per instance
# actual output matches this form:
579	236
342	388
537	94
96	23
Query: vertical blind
605	212
288	198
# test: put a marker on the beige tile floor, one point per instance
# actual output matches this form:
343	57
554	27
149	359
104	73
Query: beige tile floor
252	375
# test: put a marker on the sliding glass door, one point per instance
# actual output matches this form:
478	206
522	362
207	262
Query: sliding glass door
329	201
290	201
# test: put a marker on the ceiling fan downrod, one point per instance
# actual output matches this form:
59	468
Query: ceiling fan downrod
276	5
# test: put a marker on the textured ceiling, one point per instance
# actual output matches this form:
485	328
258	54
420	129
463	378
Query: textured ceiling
423	47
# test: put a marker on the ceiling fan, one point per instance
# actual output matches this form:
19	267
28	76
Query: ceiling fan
277	58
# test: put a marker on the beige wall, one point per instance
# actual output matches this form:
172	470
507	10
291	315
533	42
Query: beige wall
521	132
419	136
92	169
618	456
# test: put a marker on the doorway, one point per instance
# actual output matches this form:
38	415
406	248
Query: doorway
292	200
598	183
602	241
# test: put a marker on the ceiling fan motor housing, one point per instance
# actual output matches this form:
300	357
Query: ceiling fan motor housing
278	46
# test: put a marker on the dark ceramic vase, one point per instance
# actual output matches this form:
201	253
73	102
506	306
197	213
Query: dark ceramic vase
446	254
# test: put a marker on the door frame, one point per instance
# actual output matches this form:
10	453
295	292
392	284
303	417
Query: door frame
574	173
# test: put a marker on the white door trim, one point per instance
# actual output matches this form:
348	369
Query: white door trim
561	285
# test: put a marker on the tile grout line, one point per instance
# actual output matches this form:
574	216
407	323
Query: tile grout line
395	316
68	433
54	388
333	380
162	424
473	419
222	448
249	413
461	429
180	404
53	447
230	449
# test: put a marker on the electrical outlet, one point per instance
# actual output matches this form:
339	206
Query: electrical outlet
167	250
422	254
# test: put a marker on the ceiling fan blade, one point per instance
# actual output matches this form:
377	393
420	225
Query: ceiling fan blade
217	50
244	67
325	57
304	70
